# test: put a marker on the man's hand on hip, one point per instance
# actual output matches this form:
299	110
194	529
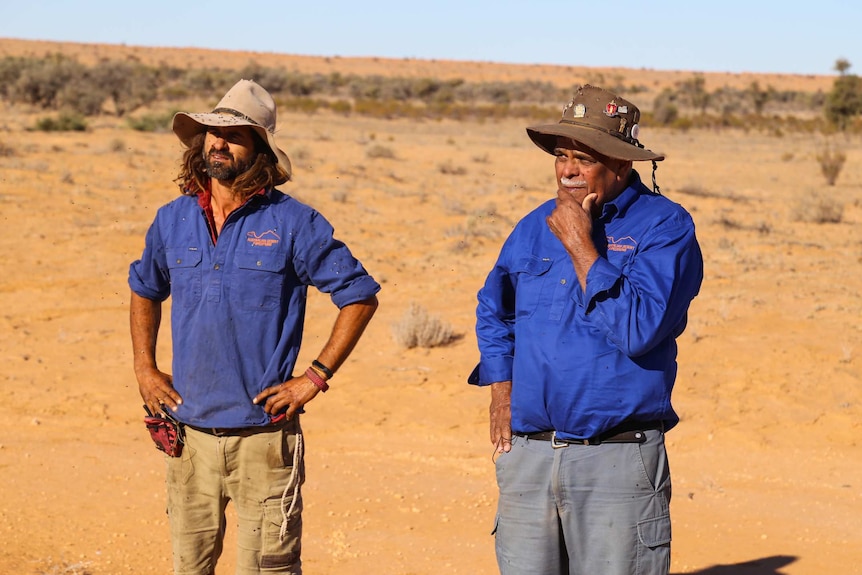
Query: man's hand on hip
287	397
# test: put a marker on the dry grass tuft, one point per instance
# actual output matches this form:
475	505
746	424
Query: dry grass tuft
418	328
831	162
379	151
823	210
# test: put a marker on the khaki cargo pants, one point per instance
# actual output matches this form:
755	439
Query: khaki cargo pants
252	470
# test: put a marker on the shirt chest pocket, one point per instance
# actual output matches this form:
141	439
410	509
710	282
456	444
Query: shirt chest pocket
258	281
184	265
542	292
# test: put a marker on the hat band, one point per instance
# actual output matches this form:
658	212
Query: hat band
617	135
238	114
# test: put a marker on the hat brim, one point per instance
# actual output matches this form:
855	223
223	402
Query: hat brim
545	136
187	126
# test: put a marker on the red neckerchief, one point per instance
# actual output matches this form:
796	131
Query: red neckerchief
205	201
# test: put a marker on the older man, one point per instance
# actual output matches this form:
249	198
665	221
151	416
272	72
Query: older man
576	325
236	256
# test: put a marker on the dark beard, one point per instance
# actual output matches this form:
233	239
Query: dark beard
224	170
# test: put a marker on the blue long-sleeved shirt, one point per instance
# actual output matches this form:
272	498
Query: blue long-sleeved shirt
583	362
238	305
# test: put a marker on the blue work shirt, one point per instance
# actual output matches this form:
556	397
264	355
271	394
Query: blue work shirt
238	305
582	363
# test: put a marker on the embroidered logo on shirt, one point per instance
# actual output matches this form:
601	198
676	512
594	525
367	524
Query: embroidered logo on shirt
267	239
623	244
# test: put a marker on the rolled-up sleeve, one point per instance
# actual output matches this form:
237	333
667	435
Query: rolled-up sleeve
328	264
148	276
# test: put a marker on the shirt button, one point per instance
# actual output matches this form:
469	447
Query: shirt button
259	263
563	281
217	266
179	261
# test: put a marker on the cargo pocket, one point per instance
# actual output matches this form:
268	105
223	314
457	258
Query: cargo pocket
281	555
654	548
655	532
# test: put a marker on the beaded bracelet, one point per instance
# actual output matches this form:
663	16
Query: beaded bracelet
316	379
326	371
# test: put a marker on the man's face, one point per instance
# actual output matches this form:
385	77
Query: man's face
228	151
582	171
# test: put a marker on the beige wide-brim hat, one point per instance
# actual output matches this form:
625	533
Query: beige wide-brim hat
245	104
600	121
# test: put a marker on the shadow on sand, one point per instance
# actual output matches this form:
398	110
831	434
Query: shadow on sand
765	566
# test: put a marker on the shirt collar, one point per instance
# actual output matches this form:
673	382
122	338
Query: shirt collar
205	198
619	204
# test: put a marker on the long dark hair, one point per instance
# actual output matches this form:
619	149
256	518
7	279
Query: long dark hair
265	172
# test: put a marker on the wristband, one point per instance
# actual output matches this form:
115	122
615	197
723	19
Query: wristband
325	370
316	380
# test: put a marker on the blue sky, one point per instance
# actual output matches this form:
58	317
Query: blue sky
729	36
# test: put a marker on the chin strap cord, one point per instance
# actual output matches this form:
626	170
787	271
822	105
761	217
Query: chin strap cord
655	187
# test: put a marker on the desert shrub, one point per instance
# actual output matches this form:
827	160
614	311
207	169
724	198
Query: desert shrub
340	196
844	101
693	92
664	110
451	169
6	151
418	328
386	109
82	96
65	122
303	104
341	107
683	124
380	151
208	81
127	85
10	70
759	97
152	122
822	210
40	81
831	162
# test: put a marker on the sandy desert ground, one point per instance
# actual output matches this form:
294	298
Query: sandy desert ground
767	460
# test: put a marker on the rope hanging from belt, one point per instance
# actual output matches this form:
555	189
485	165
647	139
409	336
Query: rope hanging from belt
292	482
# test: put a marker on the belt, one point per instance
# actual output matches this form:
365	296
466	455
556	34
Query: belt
631	432
241	431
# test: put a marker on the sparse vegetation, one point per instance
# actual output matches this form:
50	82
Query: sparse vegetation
57	82
831	162
418	328
822	210
152	122
65	122
451	169
380	151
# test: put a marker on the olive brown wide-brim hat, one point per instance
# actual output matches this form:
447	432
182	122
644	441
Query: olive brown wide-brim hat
599	120
245	104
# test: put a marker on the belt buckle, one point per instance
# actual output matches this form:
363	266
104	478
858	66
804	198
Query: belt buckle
557	444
